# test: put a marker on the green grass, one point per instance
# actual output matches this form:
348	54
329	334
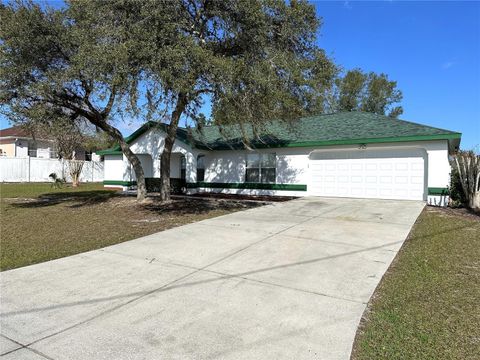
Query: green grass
428	304
39	223
26	190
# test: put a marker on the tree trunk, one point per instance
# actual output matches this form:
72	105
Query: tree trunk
131	157
167	150
75	169
137	167
474	201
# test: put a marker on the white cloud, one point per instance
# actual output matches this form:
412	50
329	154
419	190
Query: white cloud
447	65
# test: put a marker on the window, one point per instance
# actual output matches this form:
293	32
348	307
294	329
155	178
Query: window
201	168
32	149
183	167
261	168
53	154
88	156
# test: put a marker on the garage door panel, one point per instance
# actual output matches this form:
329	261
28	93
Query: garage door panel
369	175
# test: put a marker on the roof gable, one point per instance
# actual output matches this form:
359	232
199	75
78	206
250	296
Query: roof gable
182	135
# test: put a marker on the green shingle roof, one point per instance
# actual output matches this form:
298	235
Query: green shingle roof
321	130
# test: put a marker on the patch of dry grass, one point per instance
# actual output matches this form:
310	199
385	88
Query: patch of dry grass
46	224
428	304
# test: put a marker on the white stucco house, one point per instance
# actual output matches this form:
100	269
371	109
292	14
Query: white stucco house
347	154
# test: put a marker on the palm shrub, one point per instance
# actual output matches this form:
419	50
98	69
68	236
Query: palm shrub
466	177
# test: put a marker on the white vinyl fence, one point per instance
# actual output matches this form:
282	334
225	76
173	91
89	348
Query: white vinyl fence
30	169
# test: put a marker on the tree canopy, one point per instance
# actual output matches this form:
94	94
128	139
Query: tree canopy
369	92
102	61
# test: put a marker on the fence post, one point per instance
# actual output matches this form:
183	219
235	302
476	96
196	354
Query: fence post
29	166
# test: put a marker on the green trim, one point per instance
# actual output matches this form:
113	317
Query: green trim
375	140
261	186
438	191
119	182
109	152
284	144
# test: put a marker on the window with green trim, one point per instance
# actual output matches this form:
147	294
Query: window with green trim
261	168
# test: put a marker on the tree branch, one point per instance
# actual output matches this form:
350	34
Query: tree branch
108	107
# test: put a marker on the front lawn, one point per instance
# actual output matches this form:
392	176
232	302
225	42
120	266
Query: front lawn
39	223
428	304
25	190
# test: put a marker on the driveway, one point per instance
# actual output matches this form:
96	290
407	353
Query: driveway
285	281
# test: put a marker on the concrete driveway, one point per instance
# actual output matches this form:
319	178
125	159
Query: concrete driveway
284	281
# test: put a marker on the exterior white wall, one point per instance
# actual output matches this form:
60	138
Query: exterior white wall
229	166
44	148
114	168
292	163
225	166
147	166
21	148
293	166
149	147
153	141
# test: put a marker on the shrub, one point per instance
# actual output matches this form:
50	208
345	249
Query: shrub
457	196
467	166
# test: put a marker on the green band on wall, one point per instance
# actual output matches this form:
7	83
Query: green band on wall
438	191
119	182
259	186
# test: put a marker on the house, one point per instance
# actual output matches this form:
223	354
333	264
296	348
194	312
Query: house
347	154
17	141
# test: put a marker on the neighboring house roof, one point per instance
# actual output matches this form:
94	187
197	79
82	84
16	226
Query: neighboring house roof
14	131
19	132
341	128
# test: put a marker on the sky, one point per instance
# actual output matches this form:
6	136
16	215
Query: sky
432	49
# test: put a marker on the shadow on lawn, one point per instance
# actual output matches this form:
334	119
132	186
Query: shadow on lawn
175	207
80	198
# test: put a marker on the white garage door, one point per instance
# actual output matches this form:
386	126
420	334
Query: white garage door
381	174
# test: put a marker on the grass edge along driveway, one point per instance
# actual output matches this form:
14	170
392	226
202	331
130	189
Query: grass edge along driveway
427	304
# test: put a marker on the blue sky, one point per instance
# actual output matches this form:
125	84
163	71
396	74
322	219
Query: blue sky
432	49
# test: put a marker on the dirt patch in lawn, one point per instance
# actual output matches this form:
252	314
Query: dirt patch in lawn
463	212
63	223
